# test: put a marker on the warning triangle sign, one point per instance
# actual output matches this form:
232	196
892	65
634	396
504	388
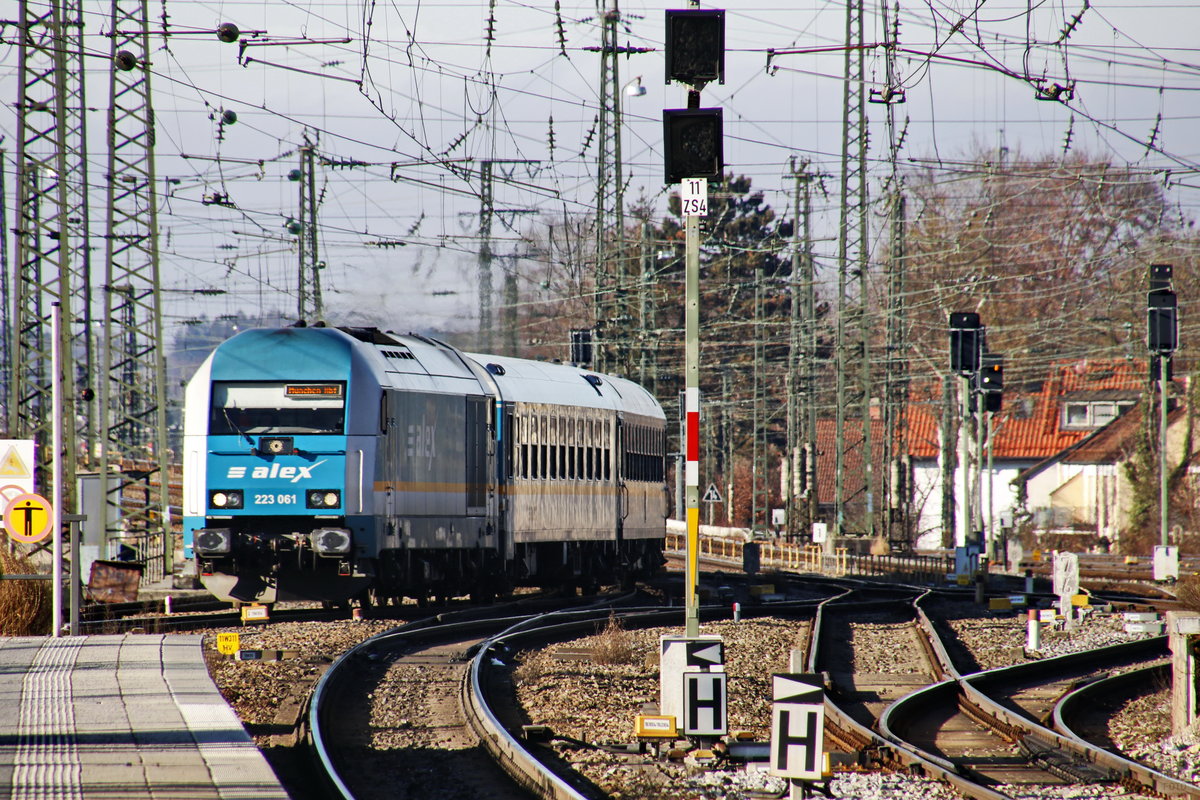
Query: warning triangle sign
711	495
12	466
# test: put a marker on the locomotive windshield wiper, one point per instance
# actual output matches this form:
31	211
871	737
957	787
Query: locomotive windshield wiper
236	429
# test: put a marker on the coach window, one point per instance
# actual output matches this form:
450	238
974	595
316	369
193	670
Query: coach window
552	441
605	450
544	450
519	438
572	450
586	470
579	449
562	448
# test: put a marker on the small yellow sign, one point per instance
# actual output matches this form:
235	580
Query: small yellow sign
654	726
255	613
229	643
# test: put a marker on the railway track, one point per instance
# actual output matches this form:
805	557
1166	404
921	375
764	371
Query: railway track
988	726
430	651
433	737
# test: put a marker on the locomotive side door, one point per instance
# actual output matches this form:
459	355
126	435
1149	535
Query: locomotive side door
479	449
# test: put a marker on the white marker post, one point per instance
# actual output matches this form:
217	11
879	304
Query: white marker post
56	452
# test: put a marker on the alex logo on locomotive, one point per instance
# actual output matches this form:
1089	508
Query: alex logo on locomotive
294	474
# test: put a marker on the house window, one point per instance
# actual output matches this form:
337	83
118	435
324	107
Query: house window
1103	413
1097	414
1075	415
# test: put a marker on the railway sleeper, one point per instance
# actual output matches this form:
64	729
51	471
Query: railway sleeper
1063	763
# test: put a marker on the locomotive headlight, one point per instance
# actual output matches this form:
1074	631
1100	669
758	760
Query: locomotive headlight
323	498
330	541
227	498
213	541
276	445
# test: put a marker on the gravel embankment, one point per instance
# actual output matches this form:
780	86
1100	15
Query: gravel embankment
260	690
596	702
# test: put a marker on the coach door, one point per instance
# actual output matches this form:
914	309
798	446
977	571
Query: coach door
619	468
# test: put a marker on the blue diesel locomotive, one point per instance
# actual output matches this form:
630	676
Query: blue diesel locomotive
333	464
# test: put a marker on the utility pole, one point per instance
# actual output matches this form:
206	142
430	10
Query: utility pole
760	492
852	256
727	435
133	392
486	209
895	389
50	236
611	304
797	482
895	393
310	307
947	452
487	214
6	362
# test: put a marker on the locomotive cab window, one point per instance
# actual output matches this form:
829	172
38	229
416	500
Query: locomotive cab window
267	408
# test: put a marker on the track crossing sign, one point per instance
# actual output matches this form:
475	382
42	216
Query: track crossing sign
28	517
797	726
704	702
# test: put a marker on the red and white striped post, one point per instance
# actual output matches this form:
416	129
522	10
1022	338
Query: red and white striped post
694	190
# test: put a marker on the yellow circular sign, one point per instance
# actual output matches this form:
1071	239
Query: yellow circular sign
28	517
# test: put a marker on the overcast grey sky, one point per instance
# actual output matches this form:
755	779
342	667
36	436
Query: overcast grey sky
418	84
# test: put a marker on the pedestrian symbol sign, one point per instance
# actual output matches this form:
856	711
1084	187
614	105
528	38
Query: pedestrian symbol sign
28	518
711	495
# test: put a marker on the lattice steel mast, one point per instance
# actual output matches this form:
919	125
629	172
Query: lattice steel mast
50	226
612	303
310	307
133	393
852	258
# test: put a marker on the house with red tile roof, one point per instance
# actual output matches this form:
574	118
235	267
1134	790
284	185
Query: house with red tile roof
1037	428
1083	489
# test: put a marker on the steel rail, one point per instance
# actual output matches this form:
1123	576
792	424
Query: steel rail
966	690
892	752
524	765
1070	705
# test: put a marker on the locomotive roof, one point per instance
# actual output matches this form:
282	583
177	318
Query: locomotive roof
416	362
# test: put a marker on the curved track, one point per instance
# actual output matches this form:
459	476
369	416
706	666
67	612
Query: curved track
984	733
988	726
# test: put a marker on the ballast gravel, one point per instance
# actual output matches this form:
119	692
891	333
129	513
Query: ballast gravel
596	703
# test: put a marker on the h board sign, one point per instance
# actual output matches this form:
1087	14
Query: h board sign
797	726
680	654
704	703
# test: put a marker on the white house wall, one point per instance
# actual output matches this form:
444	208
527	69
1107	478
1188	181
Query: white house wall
927	483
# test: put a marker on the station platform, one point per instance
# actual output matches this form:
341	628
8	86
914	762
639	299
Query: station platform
121	716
